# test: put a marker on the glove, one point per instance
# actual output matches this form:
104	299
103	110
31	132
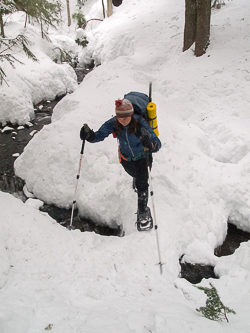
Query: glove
150	146
145	141
86	133
144	138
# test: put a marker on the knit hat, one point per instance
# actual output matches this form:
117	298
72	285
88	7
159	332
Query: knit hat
123	108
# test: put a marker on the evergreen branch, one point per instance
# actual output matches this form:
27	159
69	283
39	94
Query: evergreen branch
11	59
27	51
19	41
214	309
42	11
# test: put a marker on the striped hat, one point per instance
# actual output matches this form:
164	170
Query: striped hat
123	108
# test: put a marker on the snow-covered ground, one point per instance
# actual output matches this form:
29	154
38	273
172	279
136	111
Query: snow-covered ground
31	82
83	282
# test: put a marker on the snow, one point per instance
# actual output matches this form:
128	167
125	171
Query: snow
43	80
7	129
84	282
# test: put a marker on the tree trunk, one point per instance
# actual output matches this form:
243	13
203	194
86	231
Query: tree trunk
42	33
109	8
26	20
190	24
68	12
197	25
2	26
203	26
103	9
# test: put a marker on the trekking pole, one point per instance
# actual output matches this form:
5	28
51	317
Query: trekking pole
154	214
150	92
152	193
77	179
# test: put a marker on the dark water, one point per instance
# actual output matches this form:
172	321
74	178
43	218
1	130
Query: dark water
233	240
14	141
63	216
195	273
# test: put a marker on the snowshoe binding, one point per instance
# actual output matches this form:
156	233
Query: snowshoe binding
144	220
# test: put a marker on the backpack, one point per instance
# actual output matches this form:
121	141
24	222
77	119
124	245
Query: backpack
140	102
144	107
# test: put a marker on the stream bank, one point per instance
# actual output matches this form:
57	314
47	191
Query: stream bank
14	138
194	273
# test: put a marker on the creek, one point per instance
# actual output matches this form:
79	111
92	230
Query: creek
14	138
194	273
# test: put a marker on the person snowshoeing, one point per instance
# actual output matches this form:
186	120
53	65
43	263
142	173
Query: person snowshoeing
136	143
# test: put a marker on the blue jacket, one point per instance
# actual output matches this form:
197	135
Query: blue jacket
130	144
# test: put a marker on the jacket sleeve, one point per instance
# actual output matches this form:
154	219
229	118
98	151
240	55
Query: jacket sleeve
153	137
104	131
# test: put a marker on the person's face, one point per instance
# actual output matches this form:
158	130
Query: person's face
124	121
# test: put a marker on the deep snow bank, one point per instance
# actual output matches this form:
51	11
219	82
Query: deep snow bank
31	82
201	174
83	282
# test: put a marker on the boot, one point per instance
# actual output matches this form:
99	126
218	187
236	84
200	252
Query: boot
142	201
144	218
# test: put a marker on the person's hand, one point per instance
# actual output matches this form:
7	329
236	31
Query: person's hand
86	133
145	139
150	146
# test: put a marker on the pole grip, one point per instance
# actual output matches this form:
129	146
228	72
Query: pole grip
150	92
82	149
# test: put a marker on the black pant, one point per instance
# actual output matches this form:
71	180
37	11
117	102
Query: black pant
139	170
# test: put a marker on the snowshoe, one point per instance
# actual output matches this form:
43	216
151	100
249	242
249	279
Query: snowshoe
144	220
